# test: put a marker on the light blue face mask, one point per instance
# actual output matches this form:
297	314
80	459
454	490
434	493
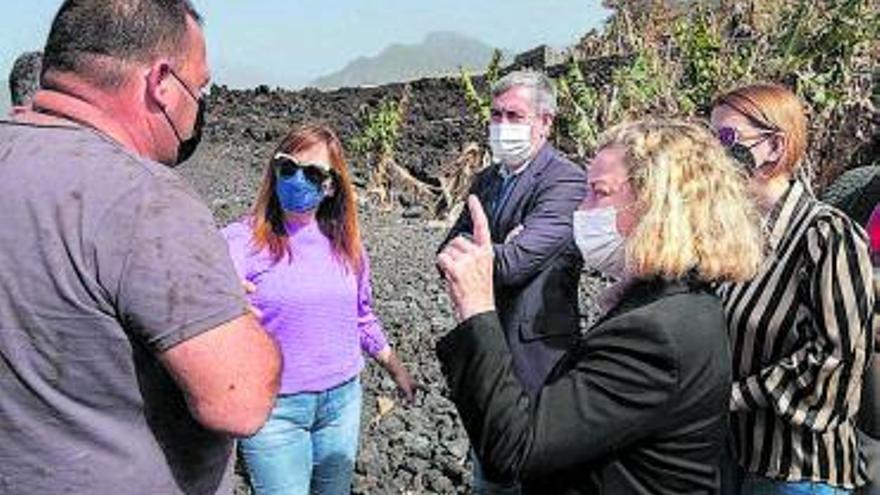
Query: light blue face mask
298	194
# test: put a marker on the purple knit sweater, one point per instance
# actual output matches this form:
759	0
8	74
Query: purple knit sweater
318	309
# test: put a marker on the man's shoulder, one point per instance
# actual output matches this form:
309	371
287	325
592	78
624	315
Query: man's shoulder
66	161
487	172
87	148
558	164
555	176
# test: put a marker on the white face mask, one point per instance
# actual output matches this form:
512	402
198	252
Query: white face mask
600	244
510	143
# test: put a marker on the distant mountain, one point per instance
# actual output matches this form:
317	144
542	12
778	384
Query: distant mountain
440	53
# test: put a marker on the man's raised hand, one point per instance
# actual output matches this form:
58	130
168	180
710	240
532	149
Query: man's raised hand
467	266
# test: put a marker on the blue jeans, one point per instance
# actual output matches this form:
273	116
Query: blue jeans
754	485
308	445
735	481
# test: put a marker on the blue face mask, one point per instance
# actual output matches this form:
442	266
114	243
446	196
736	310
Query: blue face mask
298	194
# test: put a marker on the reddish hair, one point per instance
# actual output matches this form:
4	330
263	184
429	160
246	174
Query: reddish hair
337	214
775	108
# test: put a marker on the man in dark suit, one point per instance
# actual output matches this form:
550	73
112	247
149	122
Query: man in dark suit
530	194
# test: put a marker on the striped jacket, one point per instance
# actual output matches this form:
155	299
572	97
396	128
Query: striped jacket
800	333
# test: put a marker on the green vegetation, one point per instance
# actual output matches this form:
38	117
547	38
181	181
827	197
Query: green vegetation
380	131
579	110
672	58
481	104
682	54
678	55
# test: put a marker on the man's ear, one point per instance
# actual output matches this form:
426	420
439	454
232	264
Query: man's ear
546	121
159	83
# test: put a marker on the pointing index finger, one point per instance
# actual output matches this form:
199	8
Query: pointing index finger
482	234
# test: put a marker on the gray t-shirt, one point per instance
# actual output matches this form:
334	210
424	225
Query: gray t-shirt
106	260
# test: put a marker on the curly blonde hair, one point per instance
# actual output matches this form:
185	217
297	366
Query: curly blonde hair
696	216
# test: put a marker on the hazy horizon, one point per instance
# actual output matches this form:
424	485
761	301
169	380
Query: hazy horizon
288	44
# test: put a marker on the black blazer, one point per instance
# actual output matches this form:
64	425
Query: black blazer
536	274
639	406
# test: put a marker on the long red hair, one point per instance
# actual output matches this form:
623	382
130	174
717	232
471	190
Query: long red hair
337	214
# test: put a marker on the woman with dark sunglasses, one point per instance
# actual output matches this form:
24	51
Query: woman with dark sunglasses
301	250
800	331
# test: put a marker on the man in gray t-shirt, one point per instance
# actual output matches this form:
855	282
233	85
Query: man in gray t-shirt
128	359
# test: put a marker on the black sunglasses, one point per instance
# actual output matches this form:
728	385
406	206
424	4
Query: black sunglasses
731	139
285	166
729	136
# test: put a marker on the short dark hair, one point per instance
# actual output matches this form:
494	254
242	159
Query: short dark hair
94	38
24	78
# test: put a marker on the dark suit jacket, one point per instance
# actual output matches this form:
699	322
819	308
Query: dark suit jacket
639	406
537	273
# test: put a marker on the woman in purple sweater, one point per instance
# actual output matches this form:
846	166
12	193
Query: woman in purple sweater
302	251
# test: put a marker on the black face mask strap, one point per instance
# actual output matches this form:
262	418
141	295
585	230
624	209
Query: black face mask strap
165	112
743	154
173	127
185	87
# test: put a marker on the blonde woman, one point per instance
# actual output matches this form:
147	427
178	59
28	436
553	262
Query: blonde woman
640	403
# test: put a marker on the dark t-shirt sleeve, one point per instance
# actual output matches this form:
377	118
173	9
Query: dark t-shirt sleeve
168	267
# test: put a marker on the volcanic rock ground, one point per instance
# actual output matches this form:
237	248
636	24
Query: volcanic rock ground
410	449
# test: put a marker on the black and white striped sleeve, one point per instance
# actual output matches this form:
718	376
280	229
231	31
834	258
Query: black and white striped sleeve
813	386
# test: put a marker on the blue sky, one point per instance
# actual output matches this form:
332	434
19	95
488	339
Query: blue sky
288	43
